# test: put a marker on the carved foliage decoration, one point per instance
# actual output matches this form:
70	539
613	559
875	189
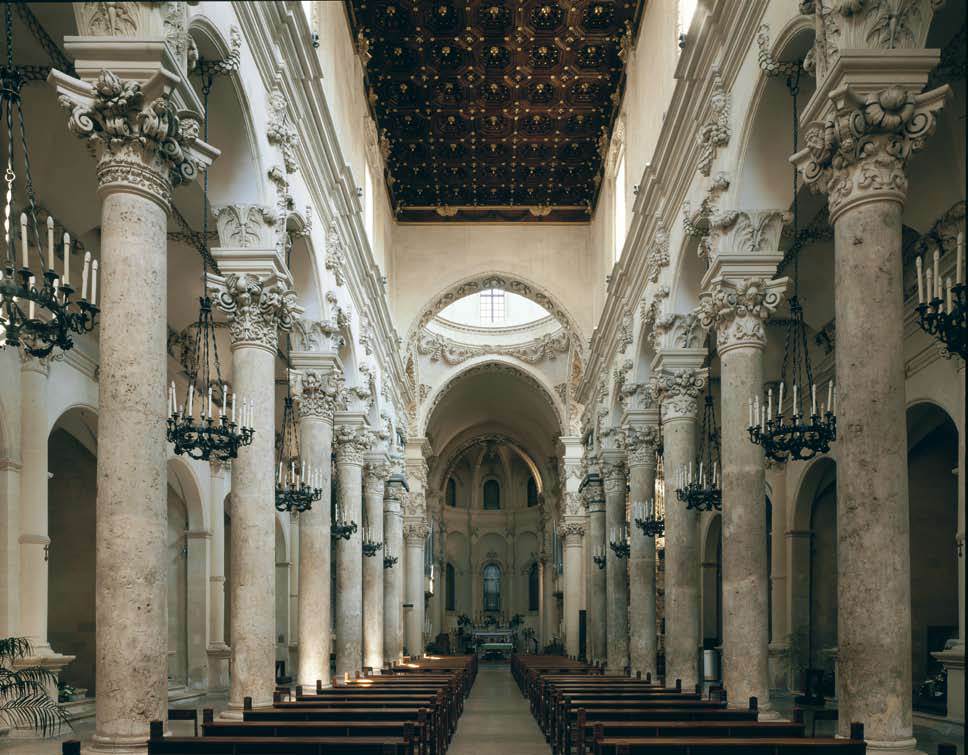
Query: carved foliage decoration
351	443
256	312
658	254
641	442
317	393
739	311
678	392
439	348
316	336
280	130
714	133
748	232
245	226
335	257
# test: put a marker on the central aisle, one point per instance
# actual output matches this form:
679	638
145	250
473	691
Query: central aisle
497	719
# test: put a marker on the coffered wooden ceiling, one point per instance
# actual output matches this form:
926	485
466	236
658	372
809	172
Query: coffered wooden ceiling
494	110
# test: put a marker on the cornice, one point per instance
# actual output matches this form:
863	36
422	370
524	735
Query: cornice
278	38
722	39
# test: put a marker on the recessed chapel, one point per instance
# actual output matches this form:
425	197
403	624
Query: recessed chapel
483	376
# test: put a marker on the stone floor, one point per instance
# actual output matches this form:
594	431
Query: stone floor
497	719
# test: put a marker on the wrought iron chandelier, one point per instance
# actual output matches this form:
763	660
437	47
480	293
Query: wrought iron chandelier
298	486
698	484
619	541
370	547
37	311
943	312
220	426
599	556
341	529
648	519
389	560
810	428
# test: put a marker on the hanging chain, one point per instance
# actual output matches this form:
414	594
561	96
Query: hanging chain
9	95
56	55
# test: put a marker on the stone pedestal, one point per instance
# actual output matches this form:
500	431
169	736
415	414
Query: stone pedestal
678	391
616	572
377	471
315	387
393	576
641	441
352	441
953	661
136	174
597	614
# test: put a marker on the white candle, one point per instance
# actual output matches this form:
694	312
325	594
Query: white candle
937	274
779	401
762	418
833	405
50	243
23	238
30	306
795	408
929	280
715	472
84	272
191	399
830	391
67	259
769	404
280	473
173	405
750	424
948	285
813	398
233	408
225	399
93	283
919	271
209	401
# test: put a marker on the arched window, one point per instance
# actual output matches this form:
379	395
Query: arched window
492	587
451	588
492	495
451	494
533	591
532	492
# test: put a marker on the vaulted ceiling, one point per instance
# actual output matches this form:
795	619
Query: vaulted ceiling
495	110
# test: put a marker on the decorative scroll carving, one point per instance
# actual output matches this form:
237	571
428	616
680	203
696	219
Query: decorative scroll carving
256	312
714	133
748	232
439	348
317	335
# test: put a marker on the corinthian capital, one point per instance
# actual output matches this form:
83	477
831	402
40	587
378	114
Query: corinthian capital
415	532
738	310
641	442
375	475
352	442
572	531
142	141
860	152
614	472
316	392
678	392
256	311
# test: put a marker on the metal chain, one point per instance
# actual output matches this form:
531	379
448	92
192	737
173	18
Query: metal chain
56	55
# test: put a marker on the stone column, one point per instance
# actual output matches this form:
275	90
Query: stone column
375	477
218	651
317	378
596	616
860	137
256	308
393	576
738	310
616	572
352	441
678	387
143	134
572	532
641	441
415	533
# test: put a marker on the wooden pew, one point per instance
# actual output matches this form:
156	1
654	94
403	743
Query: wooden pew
411	731
589	731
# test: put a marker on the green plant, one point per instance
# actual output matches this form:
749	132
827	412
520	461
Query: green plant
24	700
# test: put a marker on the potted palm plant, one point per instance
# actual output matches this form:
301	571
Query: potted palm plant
25	699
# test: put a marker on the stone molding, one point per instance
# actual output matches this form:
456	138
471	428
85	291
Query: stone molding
439	348
316	392
859	153
351	443
256	311
739	310
141	140
246	226
678	392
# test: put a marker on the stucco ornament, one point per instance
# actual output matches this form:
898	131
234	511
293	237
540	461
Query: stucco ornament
256	312
678	392
335	260
861	151
246	226
641	443
279	128
317	336
714	133
739	311
148	144
317	393
658	255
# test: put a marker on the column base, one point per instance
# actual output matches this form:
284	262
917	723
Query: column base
894	747
768	714
117	745
218	667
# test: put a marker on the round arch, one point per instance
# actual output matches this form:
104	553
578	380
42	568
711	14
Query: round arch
183	479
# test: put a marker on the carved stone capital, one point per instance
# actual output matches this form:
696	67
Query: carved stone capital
256	311
859	154
246	226
573	504
142	142
614	474
415	532
351	442
316	392
641	442
572	532
678	392
375	475
739	311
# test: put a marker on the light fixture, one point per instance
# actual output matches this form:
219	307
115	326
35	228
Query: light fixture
801	435
389	560
341	529
599	556
619	541
370	547
221	426
943	313
648	519
698	482
298	485
37	312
